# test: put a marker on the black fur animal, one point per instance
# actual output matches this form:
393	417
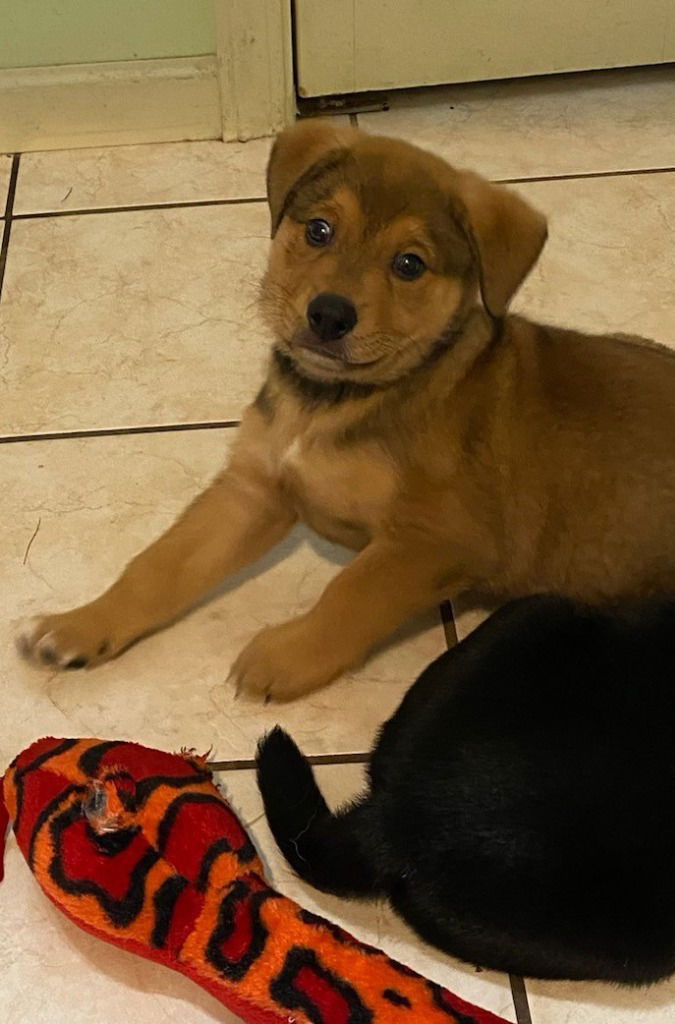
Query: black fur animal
521	807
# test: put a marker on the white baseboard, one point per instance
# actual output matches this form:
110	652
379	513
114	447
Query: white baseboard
77	105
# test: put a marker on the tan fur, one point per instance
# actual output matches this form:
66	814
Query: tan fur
457	451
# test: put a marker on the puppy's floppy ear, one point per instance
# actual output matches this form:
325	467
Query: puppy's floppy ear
507	235
295	152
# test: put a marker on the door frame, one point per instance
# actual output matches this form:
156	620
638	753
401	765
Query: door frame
254	48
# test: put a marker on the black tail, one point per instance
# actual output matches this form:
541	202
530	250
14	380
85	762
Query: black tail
330	851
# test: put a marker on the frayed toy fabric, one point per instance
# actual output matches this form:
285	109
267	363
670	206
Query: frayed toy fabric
139	848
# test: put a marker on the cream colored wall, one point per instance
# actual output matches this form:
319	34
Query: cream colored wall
129	71
36	33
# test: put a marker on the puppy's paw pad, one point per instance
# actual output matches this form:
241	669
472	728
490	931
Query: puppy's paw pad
79	661
23	637
62	642
34	641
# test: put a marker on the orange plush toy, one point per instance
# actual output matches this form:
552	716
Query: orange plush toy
139	848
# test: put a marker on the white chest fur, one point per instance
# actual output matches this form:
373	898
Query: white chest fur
353	486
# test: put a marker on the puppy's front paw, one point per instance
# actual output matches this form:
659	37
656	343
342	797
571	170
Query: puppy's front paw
281	664
77	639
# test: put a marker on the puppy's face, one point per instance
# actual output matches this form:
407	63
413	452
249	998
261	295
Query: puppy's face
373	259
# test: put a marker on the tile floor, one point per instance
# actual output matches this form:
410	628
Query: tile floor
128	314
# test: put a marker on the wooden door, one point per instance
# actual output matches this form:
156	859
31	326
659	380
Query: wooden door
345	46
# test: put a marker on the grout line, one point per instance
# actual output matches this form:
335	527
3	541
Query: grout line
242	765
11	187
295	64
196	204
163	428
353	119
186	204
9	210
583	175
520	1000
449	628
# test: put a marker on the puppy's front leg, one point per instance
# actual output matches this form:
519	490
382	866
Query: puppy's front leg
384	585
236	520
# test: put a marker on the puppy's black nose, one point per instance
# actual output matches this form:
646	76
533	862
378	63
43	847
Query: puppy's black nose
331	316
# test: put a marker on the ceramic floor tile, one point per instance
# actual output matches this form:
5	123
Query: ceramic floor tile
132	318
96	502
609	263
571	124
80	978
134	175
600	1004
5	169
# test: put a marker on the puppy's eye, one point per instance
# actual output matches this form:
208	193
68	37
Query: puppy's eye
408	265
318	231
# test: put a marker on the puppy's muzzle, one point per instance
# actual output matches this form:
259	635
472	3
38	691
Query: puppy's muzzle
331	316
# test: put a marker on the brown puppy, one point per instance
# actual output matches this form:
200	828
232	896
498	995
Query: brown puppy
407	416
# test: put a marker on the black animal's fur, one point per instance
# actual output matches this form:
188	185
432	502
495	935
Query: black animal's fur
521	807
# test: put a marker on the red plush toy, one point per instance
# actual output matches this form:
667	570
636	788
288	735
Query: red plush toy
139	848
